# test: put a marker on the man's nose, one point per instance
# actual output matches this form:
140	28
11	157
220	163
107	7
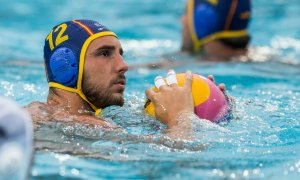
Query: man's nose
122	65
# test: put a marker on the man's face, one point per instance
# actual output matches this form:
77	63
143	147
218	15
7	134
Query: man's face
187	44
104	72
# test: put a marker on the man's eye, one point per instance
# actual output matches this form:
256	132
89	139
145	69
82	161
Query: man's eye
105	53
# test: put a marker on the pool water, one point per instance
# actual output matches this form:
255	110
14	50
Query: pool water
261	142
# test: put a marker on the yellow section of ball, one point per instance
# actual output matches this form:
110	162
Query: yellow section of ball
200	92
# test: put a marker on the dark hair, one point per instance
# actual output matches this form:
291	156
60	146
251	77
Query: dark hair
236	43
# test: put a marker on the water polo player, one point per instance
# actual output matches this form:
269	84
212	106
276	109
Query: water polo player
216	29
86	73
76	47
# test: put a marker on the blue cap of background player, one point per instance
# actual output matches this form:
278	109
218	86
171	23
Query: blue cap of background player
216	19
64	54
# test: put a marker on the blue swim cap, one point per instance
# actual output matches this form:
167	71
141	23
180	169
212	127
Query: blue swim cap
215	19
64	53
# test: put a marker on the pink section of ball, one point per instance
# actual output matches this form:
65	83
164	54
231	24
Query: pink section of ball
215	107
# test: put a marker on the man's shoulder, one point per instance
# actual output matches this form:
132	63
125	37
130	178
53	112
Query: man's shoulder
42	113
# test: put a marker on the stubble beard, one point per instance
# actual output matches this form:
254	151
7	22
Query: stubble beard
101	97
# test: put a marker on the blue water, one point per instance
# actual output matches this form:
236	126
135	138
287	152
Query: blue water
262	142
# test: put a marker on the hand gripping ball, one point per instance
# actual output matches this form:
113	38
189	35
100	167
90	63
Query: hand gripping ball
210	102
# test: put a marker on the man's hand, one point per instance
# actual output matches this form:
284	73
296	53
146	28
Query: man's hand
171	100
